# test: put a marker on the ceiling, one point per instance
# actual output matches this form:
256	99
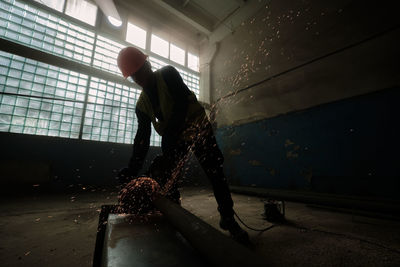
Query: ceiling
193	18
207	13
218	9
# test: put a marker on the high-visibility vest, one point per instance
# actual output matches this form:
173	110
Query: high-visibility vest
195	112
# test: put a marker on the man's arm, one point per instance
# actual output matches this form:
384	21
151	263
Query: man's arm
141	143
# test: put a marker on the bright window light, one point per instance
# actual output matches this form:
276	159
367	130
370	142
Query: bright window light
159	46
193	62
82	10
57	5
115	22
177	54
136	36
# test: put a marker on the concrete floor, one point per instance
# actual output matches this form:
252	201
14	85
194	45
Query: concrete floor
60	230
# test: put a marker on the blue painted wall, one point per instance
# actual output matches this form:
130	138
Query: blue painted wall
347	147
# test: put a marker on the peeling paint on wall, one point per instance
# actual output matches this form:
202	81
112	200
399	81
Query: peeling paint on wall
272	171
255	163
307	173
288	142
291	155
235	152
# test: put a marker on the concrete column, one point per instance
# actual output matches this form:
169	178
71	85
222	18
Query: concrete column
206	57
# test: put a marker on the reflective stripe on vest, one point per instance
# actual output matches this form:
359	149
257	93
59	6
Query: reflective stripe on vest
195	110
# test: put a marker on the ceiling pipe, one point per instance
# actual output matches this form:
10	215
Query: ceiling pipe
108	8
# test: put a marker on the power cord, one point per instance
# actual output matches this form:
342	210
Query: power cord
274	212
251	228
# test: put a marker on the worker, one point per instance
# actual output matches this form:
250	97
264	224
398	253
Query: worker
177	116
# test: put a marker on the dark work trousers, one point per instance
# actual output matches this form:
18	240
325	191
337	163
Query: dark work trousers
200	139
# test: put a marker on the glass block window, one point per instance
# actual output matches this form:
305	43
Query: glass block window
112	94
156	63
191	80
32	78
20	114
110	113
57	5
106	53
155	139
83	10
30	26
38	98
108	123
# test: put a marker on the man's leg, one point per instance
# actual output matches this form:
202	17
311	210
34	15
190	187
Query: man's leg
173	162
211	160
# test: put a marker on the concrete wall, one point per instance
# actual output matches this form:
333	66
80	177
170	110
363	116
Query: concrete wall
70	161
300	75
293	55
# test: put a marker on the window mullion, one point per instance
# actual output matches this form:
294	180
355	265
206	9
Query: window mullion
85	102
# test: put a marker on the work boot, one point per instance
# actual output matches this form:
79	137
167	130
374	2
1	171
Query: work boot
229	224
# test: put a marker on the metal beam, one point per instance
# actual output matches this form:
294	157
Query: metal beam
217	248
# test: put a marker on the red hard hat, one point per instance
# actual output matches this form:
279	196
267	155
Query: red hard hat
130	60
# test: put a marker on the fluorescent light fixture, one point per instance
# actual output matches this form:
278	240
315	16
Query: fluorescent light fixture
115	22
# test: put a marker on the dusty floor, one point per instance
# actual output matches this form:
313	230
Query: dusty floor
60	230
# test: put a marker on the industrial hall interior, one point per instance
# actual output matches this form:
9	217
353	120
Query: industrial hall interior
176	133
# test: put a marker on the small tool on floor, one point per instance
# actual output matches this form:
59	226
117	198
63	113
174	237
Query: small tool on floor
274	210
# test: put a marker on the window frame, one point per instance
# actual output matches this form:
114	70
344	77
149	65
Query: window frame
185	72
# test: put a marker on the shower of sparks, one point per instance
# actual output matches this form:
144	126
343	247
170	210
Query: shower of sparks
137	196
